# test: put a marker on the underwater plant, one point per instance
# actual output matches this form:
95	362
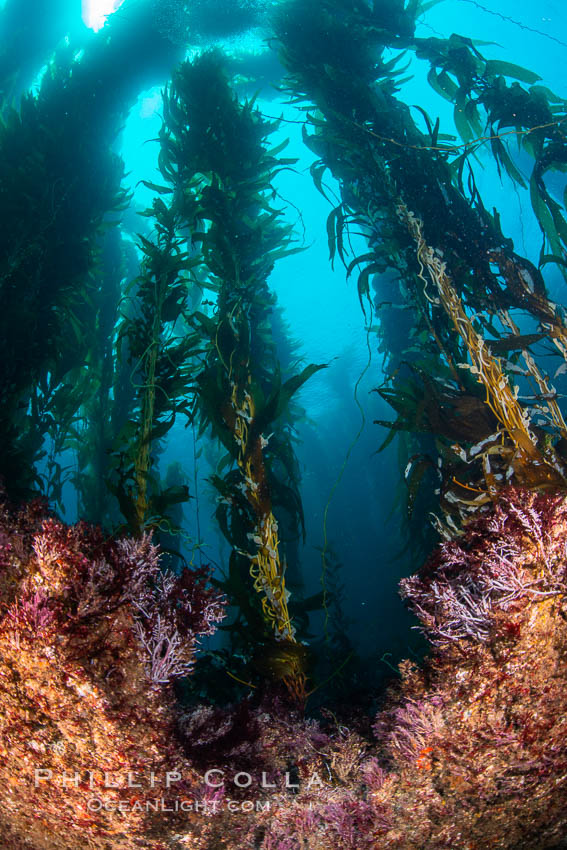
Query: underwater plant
112	394
481	320
159	347
58	177
92	632
467	752
215	158
91	434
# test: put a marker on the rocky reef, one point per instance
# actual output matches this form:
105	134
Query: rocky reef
468	751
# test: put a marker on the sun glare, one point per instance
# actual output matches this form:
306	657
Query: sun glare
95	12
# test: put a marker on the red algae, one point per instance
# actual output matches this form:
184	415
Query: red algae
469	751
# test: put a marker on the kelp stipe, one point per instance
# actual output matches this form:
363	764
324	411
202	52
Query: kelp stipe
92	430
160	349
59	177
215	159
414	195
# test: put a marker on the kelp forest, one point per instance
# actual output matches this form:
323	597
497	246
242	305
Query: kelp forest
180	666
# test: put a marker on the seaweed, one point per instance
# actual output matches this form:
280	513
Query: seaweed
59	177
160	349
462	285
215	158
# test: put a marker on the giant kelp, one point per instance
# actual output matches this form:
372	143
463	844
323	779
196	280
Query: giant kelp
59	177
218	175
473	300
112	394
159	348
92	434
468	751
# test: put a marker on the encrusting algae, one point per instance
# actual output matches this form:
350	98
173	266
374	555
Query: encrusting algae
468	752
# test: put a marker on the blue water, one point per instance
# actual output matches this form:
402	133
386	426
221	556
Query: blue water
323	311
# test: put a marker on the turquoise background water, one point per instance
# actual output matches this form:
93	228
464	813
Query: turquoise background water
323	313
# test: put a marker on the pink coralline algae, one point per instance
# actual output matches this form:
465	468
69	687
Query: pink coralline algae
31	614
506	560
468	752
83	692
